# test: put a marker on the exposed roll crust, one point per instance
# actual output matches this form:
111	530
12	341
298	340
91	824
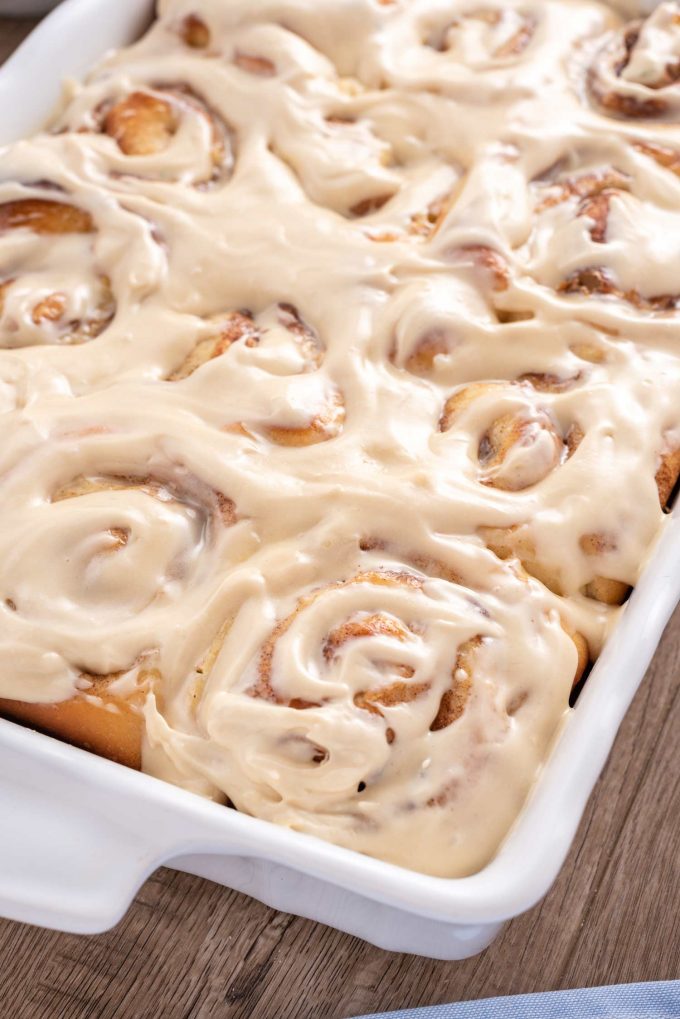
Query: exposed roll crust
195	32
599	282
33	312
154	131
516	542
98	720
667	475
251	330
142	124
516	449
278	323
44	216
323	425
237	327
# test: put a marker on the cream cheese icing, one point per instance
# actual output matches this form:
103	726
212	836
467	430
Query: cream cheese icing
253	401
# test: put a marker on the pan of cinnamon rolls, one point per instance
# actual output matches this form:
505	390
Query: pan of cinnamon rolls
340	401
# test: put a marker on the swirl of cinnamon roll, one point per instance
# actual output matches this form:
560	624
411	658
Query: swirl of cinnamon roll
281	343
381	704
663	155
156	132
90	573
277	330
50	291
440	327
359	155
488	49
596	207
484	36
519	446
636	72
417	210
487	267
424	325
322	419
341	163
596	547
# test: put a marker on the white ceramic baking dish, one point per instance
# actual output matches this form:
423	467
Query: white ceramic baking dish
80	834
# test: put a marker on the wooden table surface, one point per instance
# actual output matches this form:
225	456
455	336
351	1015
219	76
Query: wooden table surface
189	949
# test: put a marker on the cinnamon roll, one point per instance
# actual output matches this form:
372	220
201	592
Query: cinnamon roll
479	46
636	72
279	341
341	164
517	542
277	328
430	325
50	293
520	446
325	422
383	701
369	162
156	132
483	36
416	214
590	212
80	642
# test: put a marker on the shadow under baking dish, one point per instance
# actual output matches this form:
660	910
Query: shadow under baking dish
81	834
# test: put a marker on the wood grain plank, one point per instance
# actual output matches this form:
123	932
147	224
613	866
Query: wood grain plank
189	949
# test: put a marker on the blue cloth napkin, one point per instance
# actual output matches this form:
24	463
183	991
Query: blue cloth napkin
625	1001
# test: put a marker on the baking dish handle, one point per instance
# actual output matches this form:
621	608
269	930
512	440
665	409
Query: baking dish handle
74	844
